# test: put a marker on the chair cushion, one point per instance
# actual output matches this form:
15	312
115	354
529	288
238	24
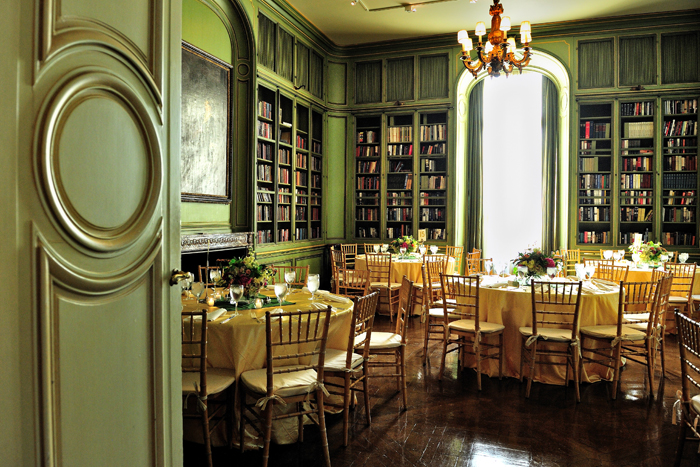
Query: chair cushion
382	285
450	301
335	360
295	383
548	334
609	331
440	313
635	318
677	299
218	379
468	325
695	404
384	340
641	327
695	298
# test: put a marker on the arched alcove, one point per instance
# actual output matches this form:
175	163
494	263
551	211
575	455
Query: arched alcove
549	66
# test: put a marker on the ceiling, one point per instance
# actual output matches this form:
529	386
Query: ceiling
345	24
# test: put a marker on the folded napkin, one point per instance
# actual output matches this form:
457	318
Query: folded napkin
589	287
605	286
213	314
325	295
493	282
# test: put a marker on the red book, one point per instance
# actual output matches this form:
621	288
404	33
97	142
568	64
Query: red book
588	129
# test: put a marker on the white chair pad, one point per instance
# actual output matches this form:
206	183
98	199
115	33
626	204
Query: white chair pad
695	298
382	285
384	340
634	318
450	301
641	327
440	313
548	334
335	360
469	325
695	403
677	299
284	384
218	379
609	331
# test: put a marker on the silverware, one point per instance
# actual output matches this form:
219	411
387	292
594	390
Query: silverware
229	318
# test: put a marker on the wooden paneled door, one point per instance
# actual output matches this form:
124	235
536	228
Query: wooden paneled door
90	228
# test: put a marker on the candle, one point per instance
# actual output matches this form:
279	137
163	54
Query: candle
258	303
210	301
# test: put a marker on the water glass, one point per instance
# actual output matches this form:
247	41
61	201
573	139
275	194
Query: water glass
402	251
313	283
607	254
198	289
236	292
422	250
289	277
683	257
552	272
280	292
377	247
385	248
616	255
433	249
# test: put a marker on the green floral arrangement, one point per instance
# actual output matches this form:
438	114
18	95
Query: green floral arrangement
407	242
246	272
648	252
536	262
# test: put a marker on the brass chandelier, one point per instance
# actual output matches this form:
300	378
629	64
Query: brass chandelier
498	54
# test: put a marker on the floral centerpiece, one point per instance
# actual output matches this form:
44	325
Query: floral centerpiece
407	242
246	272
649	252
536	262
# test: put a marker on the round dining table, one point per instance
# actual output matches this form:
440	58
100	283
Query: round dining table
239	344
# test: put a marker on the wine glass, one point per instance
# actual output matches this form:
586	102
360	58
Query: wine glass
488	266
433	249
289	277
376	247
422	250
402	251
607	254
590	270
236	292
198	289
616	255
635	258
313	283
280	292
683	257
622	254
552	272
385	248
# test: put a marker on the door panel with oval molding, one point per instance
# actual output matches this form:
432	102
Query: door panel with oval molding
94	229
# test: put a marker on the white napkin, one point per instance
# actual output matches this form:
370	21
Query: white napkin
605	286
213	314
493	282
325	295
589	287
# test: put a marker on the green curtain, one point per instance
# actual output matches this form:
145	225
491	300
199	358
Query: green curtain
594	59
475	137
266	42
302	66
434	76
550	166
679	58
399	79
285	61
637	60
368	82
316	75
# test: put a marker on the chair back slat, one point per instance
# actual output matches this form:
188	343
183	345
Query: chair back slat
683	278
337	262
612	272
194	345
571	258
205	275
434	266
349	253
405	300
464	290
361	326
689	346
302	274
457	253
379	267
663	294
478	266
636	304
353	282
557	304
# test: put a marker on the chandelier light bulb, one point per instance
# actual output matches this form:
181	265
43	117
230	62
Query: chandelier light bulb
480	28
511	44
525	37
469	45
525	27
505	23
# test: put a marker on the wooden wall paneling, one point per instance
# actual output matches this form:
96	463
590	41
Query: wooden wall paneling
337	83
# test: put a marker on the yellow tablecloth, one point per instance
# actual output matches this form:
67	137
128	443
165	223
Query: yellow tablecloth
513	309
644	275
399	268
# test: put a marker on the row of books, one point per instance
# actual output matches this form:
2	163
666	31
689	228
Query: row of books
367	232
638	130
264	212
637	197
594	181
302	160
680	197
628	237
437	148
284	195
367	151
679	163
283	213
637	108
283	175
316	232
590	214
265	130
316	163
367	214
431	198
399	214
367	199
264	173
395	199
679	214
300	213
265	109
635	143
315	181
636	181
432	214
594	197
368	167
315	199
433	132
399	149
400	231
432	165
368	136
590	164
436	234
301	178
264	236
681	142
433	182
591	129
636	214
283	235
264	197
400	166
316	146
687	106
302	200
302	142
680	181
678	238
400	134
315	213
591	236
265	151
301	233
399	182
639	164
367	183
284	156
680	128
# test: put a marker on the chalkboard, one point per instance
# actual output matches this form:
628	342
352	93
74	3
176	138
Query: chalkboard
205	152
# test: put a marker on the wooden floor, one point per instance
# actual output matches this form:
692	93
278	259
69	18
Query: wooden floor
451	423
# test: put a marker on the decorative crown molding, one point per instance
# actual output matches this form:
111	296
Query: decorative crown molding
204	242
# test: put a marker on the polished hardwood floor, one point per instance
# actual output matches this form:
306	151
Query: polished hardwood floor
451	423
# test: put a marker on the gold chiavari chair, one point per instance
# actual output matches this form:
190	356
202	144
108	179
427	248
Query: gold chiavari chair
432	301
302	275
379	266
353	282
350	252
612	272
479	266
687	411
337	262
597	264
682	288
456	252
205	275
464	328
571	258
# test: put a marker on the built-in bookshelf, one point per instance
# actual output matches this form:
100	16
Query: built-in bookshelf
401	175
289	169
432	159
594	174
637	167
679	129
368	176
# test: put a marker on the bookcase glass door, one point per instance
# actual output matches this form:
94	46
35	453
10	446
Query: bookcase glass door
432	195
399	178
265	165
316	175
680	171
637	168
301	174
368	174
594	175
284	169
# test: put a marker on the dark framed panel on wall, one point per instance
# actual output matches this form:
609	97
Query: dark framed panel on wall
205	153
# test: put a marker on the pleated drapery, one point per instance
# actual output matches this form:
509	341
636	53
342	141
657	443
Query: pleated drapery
316	75
637	60
475	145
434	76
266	42
302	66
368	82
399	79
595	64
285	61
679	58
550	166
